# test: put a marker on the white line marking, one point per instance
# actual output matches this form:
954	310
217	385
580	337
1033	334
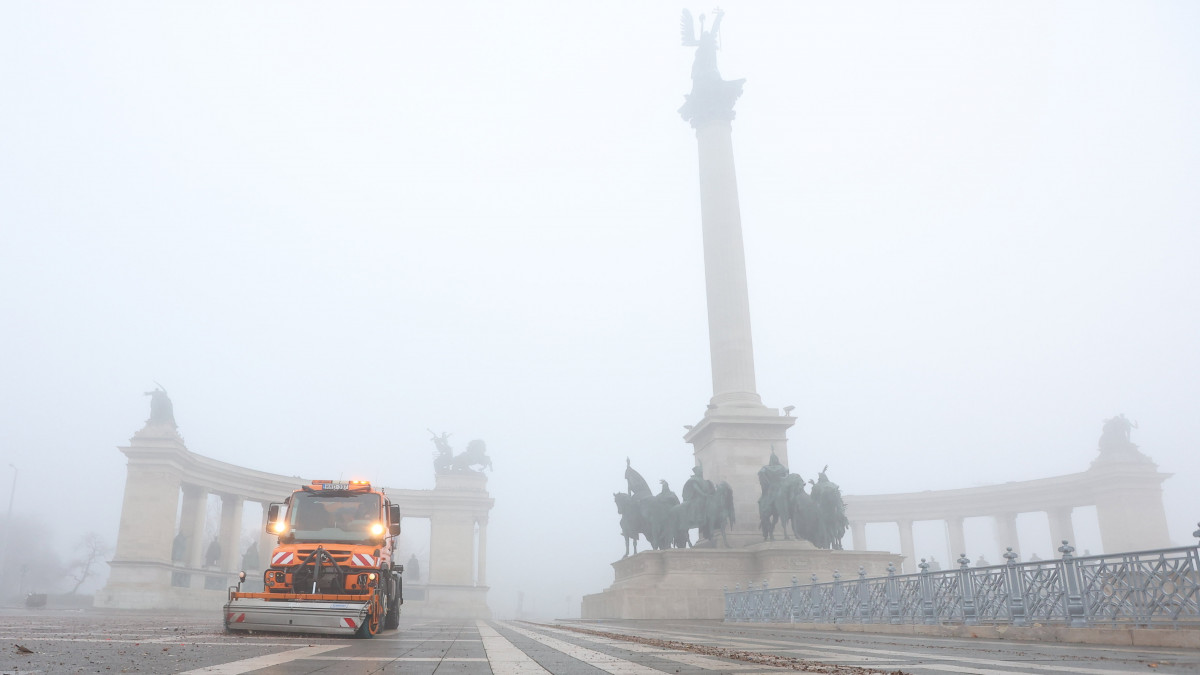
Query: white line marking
397	658
257	662
424	640
605	662
503	656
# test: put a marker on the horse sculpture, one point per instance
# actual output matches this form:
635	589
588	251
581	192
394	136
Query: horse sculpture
631	520
778	506
474	455
718	514
832	521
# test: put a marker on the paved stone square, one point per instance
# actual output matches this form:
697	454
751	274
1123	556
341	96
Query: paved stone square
95	641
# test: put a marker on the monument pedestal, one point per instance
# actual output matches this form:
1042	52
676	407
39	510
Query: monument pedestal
457	549
690	583
732	444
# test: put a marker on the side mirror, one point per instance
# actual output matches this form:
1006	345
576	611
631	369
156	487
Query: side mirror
273	517
393	519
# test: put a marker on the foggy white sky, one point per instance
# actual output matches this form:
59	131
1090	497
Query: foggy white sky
970	229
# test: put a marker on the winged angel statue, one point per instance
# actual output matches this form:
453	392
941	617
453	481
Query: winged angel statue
711	97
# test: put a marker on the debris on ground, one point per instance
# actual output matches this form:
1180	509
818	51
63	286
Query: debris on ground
762	658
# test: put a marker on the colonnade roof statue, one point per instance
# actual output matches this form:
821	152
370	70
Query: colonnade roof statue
162	413
445	461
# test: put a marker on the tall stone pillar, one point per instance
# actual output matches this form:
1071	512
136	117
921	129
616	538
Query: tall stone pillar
956	536
858	531
266	541
907	547
141	565
1127	490
481	565
191	523
1006	532
738	433
730	345
148	514
453	588
1060	528
231	532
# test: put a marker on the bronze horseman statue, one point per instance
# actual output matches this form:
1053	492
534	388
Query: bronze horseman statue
666	521
819	518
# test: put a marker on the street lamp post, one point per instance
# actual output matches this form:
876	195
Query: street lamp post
7	526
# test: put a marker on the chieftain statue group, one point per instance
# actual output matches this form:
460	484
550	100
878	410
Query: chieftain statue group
666	521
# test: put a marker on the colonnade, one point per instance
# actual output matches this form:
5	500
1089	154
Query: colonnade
161	560
1126	491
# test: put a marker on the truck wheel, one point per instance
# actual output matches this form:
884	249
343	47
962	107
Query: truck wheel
393	607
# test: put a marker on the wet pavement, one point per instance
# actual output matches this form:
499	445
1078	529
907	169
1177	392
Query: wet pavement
92	641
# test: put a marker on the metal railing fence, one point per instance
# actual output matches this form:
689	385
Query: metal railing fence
1144	588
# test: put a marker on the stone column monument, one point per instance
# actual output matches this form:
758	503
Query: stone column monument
737	433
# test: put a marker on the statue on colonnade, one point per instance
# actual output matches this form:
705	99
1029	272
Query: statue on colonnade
161	410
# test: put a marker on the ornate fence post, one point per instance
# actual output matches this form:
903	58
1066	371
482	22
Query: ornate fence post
839	597
814	602
926	585
738	605
792	602
893	595
728	604
864	596
966	590
1076	612
1015	587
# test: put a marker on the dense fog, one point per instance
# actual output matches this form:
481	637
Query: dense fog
325	229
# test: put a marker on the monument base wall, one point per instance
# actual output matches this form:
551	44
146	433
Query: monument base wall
445	602
690	583
153	585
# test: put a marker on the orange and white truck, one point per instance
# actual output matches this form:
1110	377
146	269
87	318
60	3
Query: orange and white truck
333	571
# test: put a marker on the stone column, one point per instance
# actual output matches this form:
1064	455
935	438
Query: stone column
1129	504
1060	528
231	532
1006	532
858	531
266	541
730	344
735	437
191	523
907	548
956	536
140	570
481	566
147	527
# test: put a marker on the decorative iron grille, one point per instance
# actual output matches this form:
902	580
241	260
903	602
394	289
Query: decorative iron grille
1144	588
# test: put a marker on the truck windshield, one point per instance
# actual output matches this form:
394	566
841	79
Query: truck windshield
344	517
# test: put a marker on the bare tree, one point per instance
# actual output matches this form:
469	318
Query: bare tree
93	550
